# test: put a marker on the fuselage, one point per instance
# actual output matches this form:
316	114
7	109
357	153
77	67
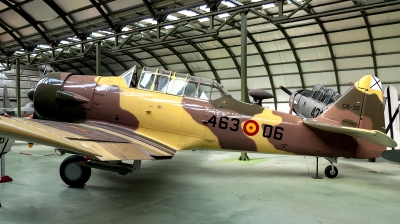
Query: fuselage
184	121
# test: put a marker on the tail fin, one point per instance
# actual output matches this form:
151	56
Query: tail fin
6	100
392	117
360	107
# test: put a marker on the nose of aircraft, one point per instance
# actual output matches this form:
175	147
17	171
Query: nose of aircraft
31	92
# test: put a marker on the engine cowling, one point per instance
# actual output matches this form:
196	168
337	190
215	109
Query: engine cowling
44	97
62	96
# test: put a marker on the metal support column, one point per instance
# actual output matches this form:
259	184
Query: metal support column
243	69
18	85
280	8
98	58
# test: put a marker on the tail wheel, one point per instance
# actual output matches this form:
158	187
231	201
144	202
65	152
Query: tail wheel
331	173
72	173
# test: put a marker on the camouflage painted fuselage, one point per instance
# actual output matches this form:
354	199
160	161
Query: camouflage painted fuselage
183	123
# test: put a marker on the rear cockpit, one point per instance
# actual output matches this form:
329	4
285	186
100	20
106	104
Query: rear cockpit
173	83
321	94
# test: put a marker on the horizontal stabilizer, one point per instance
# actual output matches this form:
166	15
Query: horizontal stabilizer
391	155
374	136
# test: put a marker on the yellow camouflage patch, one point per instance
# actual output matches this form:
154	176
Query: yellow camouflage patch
371	85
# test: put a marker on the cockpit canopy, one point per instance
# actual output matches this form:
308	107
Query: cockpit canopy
323	94
168	82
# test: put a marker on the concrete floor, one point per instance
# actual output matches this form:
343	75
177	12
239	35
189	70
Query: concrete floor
202	187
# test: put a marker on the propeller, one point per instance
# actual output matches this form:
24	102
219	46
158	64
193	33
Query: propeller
31	92
285	90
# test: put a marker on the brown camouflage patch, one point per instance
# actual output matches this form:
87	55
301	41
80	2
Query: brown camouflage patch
224	107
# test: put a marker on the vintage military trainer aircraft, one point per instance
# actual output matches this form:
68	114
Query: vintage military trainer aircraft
150	116
26	110
311	103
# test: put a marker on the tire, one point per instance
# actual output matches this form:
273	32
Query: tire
72	173
329	173
372	160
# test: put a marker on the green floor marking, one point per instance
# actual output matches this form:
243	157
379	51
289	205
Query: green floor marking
251	162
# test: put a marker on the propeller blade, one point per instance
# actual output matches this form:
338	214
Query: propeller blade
286	90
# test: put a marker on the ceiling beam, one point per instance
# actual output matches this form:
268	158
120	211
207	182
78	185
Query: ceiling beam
289	41
28	18
149	7
328	42
338	11
103	64
129	54
88	66
115	59
62	15
371	41
257	4
75	68
4	26
204	55
214	5
116	28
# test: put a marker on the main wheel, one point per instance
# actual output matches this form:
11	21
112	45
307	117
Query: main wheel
72	173
331	173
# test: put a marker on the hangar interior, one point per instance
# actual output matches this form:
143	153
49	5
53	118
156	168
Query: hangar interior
332	43
251	43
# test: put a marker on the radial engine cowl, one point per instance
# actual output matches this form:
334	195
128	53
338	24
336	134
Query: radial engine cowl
44	99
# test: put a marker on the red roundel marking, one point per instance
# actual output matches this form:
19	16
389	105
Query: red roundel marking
251	127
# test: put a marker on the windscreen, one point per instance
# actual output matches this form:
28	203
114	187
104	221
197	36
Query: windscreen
128	75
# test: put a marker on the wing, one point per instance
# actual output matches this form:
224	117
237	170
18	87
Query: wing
374	136
101	140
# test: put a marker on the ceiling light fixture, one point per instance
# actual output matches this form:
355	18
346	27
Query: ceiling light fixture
97	34
223	15
266	6
204	19
152	21
171	17
229	4
188	13
205	8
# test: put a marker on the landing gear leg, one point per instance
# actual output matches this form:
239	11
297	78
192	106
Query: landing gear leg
3	176
316	172
5	146
244	157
